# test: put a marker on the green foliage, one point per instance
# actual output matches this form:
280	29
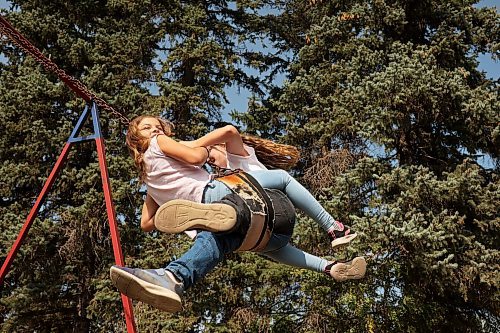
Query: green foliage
397	81
59	280
394	83
436	240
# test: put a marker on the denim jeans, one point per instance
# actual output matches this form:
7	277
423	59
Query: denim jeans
209	248
292	256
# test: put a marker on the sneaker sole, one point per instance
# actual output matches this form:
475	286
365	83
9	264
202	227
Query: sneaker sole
353	270
343	240
179	215
140	290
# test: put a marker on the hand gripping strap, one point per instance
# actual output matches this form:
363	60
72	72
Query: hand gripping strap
261	208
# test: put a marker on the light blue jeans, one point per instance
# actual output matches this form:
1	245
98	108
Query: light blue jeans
280	180
209	249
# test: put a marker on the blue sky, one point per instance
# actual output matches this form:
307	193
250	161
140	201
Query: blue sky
238	97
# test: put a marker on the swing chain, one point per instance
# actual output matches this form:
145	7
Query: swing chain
73	83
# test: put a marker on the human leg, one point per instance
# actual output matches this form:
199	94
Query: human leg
208	248
163	287
298	194
207	251
305	201
292	256
339	271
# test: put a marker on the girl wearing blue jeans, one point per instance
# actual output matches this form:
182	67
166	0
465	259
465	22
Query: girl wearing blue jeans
172	171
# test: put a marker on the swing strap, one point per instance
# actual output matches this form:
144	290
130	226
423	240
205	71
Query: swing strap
260	205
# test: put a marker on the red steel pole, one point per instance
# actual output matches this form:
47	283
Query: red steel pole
34	211
115	237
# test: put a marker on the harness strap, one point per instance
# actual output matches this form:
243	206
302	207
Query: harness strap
260	206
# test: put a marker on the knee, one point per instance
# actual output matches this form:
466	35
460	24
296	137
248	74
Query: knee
210	243
283	173
219	244
284	176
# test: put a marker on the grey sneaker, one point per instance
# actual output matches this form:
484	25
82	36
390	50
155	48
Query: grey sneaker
350	270
179	215
151	286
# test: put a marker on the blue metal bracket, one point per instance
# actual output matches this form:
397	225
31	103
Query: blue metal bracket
83	117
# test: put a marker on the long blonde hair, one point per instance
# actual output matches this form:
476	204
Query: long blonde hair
273	155
138	144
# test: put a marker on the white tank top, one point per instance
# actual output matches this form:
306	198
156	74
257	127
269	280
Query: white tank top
168	178
245	163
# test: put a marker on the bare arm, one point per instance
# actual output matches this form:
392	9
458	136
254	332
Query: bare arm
181	152
191	144
149	209
193	152
228	135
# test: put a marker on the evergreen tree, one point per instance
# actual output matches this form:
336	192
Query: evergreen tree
383	97
395	84
59	281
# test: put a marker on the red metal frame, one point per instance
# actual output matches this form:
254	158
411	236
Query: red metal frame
115	237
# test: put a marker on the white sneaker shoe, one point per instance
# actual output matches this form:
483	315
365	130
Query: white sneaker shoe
350	270
179	215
